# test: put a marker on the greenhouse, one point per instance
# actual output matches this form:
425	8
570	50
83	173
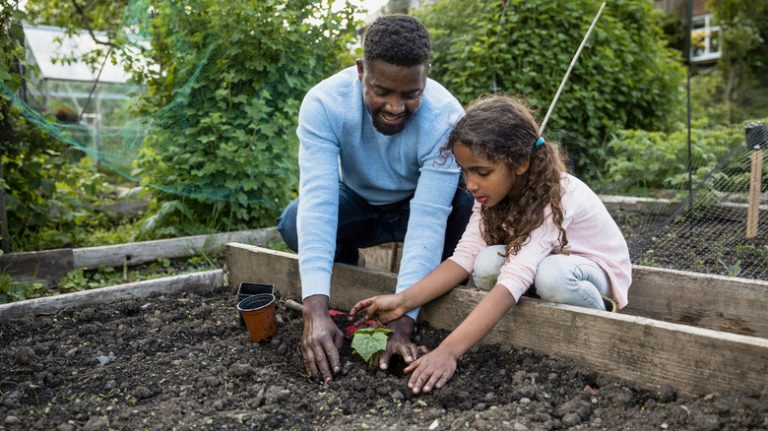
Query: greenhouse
92	102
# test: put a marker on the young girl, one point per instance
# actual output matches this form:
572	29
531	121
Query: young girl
544	227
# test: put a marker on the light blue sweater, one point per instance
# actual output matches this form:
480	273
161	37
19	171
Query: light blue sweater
338	142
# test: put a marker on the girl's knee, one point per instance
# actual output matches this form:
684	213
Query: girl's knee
490	260
551	277
487	267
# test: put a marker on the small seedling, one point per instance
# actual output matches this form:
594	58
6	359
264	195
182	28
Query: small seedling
368	341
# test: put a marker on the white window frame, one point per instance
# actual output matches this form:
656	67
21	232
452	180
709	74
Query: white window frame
708	30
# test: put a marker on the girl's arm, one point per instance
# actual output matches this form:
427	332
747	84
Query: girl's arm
386	308
442	279
436	368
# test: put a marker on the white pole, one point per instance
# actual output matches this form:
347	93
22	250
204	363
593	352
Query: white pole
568	72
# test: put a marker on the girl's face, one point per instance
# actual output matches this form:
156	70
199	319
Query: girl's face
489	182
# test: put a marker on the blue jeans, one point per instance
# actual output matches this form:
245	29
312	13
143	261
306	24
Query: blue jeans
565	279
363	225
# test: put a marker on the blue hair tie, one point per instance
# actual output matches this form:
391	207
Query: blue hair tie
539	142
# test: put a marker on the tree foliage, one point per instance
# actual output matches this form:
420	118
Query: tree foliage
48	194
626	76
744	60
224	81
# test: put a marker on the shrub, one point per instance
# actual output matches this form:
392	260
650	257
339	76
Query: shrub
659	160
626	77
224	105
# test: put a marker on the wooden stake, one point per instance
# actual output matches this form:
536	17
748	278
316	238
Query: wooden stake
753	211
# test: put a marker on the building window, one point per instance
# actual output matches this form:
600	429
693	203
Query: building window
705	39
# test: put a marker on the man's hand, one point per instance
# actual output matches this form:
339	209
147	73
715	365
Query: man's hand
321	341
431	371
382	308
399	343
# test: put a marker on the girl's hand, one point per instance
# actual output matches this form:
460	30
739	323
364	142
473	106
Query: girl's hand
431	371
382	308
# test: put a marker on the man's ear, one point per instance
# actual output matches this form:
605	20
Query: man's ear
523	167
360	68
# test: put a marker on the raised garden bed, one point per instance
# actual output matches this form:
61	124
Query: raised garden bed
181	361
688	353
647	350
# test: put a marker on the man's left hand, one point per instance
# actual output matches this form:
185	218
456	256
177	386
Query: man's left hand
399	342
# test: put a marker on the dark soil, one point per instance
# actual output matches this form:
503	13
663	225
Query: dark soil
712	245
183	362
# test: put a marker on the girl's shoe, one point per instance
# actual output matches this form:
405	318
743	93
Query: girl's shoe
610	304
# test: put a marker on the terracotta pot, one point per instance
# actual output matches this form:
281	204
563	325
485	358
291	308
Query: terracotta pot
258	312
246	289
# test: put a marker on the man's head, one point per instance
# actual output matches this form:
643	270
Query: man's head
396	52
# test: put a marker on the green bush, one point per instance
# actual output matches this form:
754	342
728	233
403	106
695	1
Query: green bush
49	195
659	160
626	77
223	105
50	198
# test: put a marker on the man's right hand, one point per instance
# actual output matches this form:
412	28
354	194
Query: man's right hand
321	341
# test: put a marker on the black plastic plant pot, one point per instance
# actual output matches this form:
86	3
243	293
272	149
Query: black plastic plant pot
246	289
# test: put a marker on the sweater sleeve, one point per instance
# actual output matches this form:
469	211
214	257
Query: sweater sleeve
429	211
317	217
471	243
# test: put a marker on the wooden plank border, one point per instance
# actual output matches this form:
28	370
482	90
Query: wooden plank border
665	207
48	265
736	305
51	265
650	352
197	282
147	251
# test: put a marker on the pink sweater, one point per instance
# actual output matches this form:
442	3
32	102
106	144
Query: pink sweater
591	232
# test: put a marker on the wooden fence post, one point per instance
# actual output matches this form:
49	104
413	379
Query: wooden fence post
757	136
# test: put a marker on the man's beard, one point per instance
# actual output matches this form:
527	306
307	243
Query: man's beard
389	129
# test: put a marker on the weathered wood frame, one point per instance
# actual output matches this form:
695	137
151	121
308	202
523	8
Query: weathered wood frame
194	282
51	265
650	352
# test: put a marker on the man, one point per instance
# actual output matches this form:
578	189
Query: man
371	172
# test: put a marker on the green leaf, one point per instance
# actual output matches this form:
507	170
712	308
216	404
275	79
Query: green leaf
369	341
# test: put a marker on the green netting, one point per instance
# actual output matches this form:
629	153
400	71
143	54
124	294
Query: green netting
222	82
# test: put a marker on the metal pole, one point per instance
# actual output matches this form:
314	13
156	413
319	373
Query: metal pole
688	19
568	72
6	134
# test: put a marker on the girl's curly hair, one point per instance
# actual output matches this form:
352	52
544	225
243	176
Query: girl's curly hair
501	128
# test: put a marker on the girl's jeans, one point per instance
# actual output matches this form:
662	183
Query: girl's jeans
565	279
